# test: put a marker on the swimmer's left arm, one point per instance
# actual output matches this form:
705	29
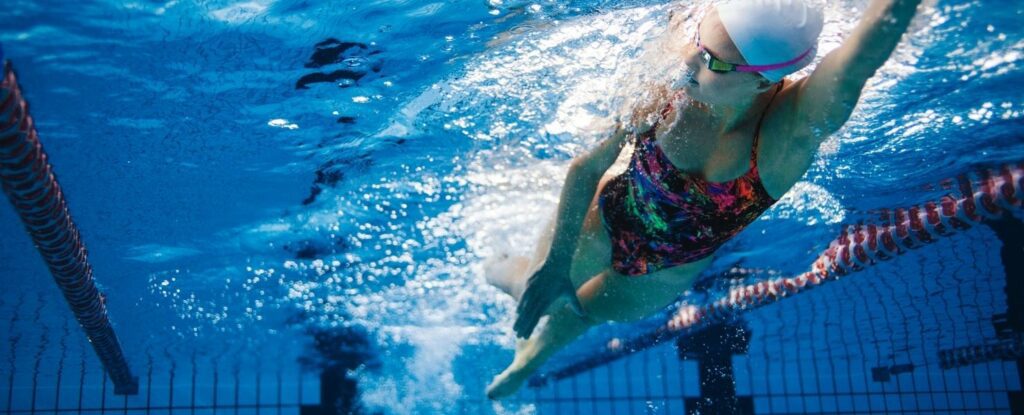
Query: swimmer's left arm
824	100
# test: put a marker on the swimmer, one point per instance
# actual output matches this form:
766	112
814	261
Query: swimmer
622	247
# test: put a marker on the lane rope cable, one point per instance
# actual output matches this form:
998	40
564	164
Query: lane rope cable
30	184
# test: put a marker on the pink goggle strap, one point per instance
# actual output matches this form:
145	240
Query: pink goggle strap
761	68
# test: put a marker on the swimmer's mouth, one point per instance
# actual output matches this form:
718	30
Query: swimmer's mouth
688	78
685	79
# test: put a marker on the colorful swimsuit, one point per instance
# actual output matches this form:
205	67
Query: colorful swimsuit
658	217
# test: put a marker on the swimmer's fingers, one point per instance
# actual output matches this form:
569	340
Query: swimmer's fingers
533	298
574	303
541	291
531	307
536	300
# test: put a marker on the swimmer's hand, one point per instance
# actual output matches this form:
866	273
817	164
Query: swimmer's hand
543	289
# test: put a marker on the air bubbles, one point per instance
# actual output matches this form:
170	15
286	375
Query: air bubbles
282	123
982	114
354	61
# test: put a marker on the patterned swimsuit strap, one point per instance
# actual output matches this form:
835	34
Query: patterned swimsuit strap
757	130
668	107
652	132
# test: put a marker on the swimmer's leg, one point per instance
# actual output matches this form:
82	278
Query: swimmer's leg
562	327
608	296
508	273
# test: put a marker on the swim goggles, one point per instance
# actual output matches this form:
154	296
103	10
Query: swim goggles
720	66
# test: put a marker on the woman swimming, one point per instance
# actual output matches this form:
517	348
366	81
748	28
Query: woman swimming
625	246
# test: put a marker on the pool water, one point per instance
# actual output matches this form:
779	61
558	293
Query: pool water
268	188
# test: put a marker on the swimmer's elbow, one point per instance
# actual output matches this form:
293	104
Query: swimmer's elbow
827	99
598	160
818	128
586	165
838	112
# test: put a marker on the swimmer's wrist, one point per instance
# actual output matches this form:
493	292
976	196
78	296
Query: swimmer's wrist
554	267
582	314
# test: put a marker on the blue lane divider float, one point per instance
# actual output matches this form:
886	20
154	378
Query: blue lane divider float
29	183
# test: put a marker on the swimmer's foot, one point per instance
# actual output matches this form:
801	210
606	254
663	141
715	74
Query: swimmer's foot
507	273
511	379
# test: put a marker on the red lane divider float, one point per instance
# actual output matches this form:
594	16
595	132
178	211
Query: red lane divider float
983	195
28	181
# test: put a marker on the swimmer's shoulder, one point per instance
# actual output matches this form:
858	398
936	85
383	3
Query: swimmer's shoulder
785	149
788	118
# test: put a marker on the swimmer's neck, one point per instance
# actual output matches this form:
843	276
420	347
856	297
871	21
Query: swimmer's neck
732	118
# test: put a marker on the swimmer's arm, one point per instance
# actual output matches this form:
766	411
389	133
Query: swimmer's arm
826	98
585	173
551	281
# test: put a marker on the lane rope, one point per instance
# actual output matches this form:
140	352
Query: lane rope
28	181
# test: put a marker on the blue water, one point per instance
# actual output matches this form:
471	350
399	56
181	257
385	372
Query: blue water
241	187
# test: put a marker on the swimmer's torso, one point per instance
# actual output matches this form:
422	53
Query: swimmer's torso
660	215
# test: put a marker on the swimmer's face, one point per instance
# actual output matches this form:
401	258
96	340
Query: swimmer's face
701	83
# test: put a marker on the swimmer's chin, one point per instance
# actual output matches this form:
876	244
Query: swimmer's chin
688	85
691	91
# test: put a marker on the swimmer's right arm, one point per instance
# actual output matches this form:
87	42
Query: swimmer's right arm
551	281
814	107
827	97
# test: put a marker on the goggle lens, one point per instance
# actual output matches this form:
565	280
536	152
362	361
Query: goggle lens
718	66
713	63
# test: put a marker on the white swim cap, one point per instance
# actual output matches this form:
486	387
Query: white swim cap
773	32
